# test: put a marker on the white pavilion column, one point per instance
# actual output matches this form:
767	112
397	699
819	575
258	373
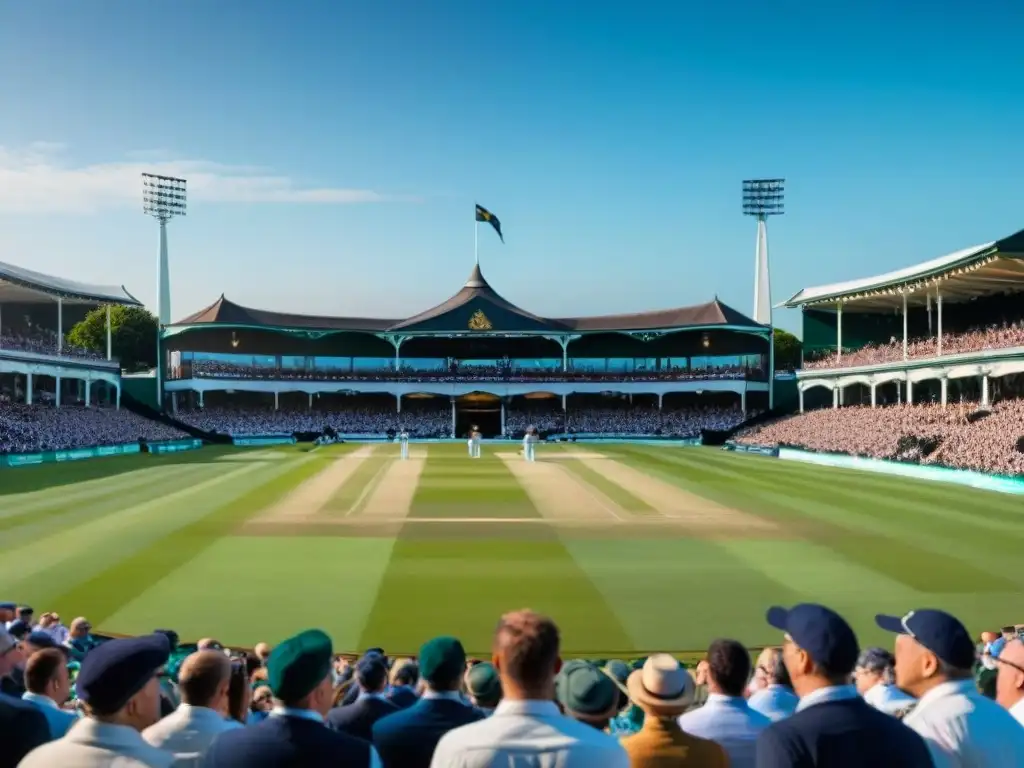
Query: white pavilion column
174	403
944	388
309	405
800	393
904	326
118	405
201	403
938	294
874	394
839	332
503	418
58	391
835	398
910	392
743	401
661	397
398	403
984	391
565	354
88	392
28	389
453	417
60	326
275	400
110	344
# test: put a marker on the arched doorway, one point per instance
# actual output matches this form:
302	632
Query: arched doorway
479	409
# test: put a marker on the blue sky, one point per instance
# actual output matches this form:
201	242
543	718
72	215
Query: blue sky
334	153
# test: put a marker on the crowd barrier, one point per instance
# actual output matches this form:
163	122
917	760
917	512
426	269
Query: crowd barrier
174	446
74	454
263	440
760	450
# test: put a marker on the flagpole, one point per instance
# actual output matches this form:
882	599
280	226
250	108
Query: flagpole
476	241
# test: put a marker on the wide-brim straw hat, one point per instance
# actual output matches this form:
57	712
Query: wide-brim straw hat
662	684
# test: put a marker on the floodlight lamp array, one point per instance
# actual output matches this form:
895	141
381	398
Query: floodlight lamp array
764	197
163	197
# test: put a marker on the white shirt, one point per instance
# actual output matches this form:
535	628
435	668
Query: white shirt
528	734
776	702
188	732
888	698
1017	710
963	729
731	722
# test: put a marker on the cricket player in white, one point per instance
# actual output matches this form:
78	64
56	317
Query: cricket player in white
476	443
403	441
529	443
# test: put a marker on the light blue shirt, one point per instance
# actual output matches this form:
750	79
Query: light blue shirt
888	699
58	720
776	702
731	722
827	694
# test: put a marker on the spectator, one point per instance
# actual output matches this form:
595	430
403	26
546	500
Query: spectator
203	681
119	688
50	624
775	698
629	717
484	687
405	674
357	719
48	687
299	672
934	660
12	665
587	694
80	640
526	726
874	677
726	718
239	692
833	727
22	726
1010	682
663	689
8	613
260	704
408	738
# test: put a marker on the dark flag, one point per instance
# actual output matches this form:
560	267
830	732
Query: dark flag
482	214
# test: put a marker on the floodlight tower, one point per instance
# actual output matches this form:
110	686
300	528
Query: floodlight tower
163	198
763	198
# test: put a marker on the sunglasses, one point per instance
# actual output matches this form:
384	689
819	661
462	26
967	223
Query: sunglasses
1006	663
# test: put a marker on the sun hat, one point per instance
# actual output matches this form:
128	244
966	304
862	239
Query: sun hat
586	692
662	684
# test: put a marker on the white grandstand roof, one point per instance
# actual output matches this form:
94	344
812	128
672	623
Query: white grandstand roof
980	270
18	284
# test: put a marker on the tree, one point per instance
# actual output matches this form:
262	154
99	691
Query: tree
133	335
787	350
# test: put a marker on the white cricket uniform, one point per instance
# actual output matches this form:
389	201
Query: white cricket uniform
476	445
469	445
527	445
403	441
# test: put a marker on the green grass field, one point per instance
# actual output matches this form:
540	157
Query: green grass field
630	548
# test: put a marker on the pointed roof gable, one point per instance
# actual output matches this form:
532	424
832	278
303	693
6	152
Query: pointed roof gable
477	307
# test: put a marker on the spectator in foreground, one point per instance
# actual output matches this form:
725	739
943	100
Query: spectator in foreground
203	682
726	718
118	686
934	663
48	687
22	726
587	694
875	676
357	719
79	640
833	727
408	738
629	717
775	698
484	687
663	689
1010	682
405	674
299	673
526	727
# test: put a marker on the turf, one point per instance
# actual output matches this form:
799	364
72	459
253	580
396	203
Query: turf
136	542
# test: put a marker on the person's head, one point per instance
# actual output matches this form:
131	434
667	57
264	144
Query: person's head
987	638
37	641
372	674
1009	632
80	628
25	613
700	674
932	647
874	666
484	685
662	688
239	691
118	681
525	652
405	672
728	667
209	644
442	662
204	679
619	672
46	674
262	651
1010	678
8	612
773	667
11	655
299	672
819	648
587	694
262	699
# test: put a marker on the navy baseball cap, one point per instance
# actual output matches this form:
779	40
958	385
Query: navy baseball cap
939	632
820	631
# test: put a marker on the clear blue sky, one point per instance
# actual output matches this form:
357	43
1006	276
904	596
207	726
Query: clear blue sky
335	149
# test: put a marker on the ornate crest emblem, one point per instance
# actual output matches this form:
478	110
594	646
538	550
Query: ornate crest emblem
479	322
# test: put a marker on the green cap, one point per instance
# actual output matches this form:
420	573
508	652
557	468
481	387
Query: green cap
484	684
443	659
299	664
586	692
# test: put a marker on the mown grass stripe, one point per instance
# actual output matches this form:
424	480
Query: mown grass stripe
107	591
612	490
344	500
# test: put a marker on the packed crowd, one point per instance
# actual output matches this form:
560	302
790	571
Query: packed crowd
975	340
43	342
71	699
648	420
34	428
958	434
362	420
214	369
